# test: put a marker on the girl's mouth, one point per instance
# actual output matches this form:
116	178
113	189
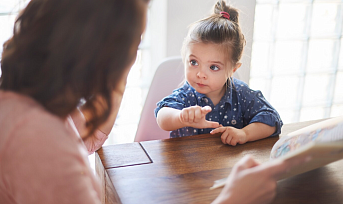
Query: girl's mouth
201	85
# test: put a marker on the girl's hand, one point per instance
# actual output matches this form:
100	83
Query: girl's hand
195	116
231	135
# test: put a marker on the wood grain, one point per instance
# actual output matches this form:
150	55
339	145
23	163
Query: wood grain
183	169
108	193
120	155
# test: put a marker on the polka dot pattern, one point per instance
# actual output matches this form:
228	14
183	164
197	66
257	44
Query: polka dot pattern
239	107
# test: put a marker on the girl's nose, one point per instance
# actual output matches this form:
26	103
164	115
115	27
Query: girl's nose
201	74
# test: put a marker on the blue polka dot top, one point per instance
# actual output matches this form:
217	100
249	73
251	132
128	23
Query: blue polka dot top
239	107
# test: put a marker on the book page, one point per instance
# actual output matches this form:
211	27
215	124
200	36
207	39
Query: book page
322	141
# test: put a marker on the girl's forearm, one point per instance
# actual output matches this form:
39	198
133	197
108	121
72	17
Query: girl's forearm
169	119
256	131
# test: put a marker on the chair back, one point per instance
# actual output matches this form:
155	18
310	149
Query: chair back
168	76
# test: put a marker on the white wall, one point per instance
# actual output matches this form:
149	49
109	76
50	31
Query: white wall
178	14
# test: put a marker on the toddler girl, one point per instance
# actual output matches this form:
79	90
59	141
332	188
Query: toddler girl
211	97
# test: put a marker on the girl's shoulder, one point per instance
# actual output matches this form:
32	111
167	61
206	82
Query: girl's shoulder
239	85
242	88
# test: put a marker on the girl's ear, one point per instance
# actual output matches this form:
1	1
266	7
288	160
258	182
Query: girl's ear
238	65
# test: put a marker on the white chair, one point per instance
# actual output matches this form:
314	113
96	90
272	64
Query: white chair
168	76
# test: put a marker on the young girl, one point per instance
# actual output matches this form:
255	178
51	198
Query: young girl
210	97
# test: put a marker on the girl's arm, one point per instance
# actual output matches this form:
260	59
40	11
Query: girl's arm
194	116
259	110
256	131
169	119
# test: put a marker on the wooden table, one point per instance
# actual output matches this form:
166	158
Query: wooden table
182	170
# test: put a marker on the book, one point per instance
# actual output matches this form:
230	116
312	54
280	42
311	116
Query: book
323	141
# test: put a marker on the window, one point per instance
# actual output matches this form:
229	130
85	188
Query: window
8	11
297	57
125	127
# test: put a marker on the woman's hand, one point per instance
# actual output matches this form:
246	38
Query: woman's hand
94	141
252	183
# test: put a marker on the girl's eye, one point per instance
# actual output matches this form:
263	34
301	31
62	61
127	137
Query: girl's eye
194	63
214	67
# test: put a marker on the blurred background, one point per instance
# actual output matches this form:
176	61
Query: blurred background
294	54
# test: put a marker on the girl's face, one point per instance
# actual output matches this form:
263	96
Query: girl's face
207	68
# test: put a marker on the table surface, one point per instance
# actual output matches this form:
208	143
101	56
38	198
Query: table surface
182	170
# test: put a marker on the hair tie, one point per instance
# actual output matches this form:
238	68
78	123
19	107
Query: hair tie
225	15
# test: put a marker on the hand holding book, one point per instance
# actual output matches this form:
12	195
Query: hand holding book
322	141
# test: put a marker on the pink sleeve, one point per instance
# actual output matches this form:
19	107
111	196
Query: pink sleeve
93	142
46	163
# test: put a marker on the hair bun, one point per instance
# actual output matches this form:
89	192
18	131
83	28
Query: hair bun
221	6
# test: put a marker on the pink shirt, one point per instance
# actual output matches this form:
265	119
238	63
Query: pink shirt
42	159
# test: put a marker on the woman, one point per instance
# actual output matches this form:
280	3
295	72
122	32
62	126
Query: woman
66	57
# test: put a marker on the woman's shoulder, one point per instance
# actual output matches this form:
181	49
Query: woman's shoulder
23	119
10	99
39	147
20	109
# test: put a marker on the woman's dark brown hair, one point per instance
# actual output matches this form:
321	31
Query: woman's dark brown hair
66	51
